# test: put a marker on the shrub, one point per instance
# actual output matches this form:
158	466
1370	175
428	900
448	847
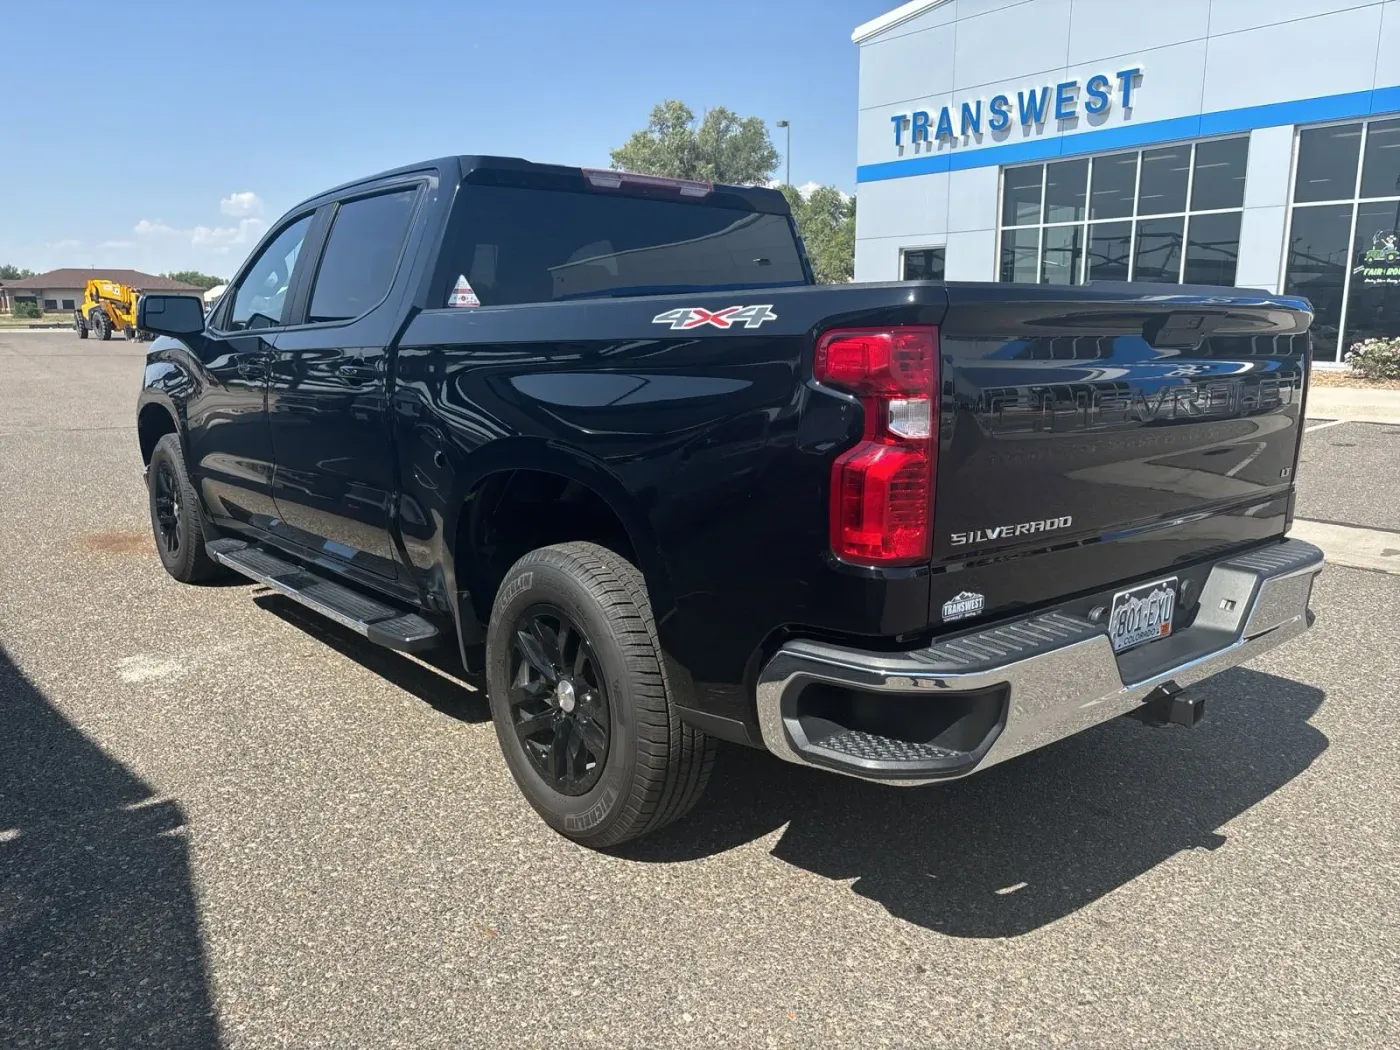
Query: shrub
27	311
1375	358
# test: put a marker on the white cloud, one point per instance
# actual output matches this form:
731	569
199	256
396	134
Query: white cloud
217	238
237	205
117	244
158	228
64	245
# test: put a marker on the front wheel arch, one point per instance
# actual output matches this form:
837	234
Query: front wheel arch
153	422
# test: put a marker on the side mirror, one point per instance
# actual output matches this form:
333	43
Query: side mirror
171	314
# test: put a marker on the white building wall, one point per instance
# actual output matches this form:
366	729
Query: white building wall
1210	67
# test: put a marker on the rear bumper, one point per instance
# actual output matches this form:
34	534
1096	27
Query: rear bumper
972	701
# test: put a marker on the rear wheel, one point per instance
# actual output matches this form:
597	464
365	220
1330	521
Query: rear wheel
82	329
104	326
176	516
580	698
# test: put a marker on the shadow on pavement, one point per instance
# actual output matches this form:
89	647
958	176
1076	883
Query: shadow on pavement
443	685
1009	850
100	943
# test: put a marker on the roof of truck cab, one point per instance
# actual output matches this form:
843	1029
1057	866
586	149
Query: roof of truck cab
466	164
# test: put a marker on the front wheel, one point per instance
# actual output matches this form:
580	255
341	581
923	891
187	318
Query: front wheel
580	699
176	517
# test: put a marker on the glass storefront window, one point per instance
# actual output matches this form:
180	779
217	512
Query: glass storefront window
1020	195
1327	163
1158	256
1317	269
923	264
1063	248
1212	248
1373	307
1110	247
1115	185
1019	251
1125	216
1218	181
1344	252
1380	172
1164	176
1066	184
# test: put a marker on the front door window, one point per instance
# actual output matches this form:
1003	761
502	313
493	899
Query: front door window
261	299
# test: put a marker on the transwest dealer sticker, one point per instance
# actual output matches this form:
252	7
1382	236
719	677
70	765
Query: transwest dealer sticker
730	317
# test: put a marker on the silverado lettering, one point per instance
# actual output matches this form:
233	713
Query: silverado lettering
1002	532
656	476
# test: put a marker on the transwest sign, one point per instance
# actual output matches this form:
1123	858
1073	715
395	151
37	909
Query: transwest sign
1030	108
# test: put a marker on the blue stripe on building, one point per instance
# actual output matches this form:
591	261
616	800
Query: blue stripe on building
1131	136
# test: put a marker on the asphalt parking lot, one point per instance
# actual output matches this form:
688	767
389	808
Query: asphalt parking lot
226	823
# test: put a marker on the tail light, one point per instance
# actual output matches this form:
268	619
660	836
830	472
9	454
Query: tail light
882	490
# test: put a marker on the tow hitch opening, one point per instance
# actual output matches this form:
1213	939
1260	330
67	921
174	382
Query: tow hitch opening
1170	705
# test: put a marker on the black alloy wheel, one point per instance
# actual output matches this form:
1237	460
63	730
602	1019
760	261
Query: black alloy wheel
167	508
558	700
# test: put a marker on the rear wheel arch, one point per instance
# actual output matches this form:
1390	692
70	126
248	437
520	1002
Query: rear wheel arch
513	510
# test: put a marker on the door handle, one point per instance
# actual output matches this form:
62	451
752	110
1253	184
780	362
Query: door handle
357	373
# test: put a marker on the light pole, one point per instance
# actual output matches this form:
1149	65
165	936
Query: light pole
787	153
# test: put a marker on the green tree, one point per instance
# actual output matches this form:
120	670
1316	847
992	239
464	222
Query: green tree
722	147
826	218
27	311
202	281
10	272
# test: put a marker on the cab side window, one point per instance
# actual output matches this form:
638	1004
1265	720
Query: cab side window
362	255
261	298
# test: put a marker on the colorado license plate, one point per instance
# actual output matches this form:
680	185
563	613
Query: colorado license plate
1142	614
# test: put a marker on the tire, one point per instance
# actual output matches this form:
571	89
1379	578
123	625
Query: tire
653	767
104	327
177	519
82	330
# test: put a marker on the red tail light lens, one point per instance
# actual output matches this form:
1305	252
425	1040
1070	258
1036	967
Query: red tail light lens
879	361
882	489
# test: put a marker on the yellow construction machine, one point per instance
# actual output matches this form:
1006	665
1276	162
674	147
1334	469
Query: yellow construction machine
108	307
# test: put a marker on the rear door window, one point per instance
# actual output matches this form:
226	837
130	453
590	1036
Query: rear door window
362	255
519	245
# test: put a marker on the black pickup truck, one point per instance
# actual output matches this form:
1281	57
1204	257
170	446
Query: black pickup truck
603	435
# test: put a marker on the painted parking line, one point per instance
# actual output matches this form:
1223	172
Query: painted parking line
1323	426
1354	547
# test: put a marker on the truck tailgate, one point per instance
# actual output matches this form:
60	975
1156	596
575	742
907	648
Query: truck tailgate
1096	435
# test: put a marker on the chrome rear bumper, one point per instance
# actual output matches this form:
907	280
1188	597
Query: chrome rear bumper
1018	686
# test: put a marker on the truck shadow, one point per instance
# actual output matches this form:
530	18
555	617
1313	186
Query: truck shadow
438	680
100	942
1010	850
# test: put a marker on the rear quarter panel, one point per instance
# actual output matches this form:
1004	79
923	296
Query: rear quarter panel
712	445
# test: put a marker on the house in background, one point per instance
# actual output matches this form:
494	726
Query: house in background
60	291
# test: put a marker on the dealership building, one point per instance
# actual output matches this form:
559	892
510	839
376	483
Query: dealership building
1253	143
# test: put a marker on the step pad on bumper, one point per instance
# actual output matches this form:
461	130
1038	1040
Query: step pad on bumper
876	748
997	645
380	623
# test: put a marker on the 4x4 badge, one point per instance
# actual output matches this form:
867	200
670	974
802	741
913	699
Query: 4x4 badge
729	317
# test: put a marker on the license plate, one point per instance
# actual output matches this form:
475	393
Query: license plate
1142	614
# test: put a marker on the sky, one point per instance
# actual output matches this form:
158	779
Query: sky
200	123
